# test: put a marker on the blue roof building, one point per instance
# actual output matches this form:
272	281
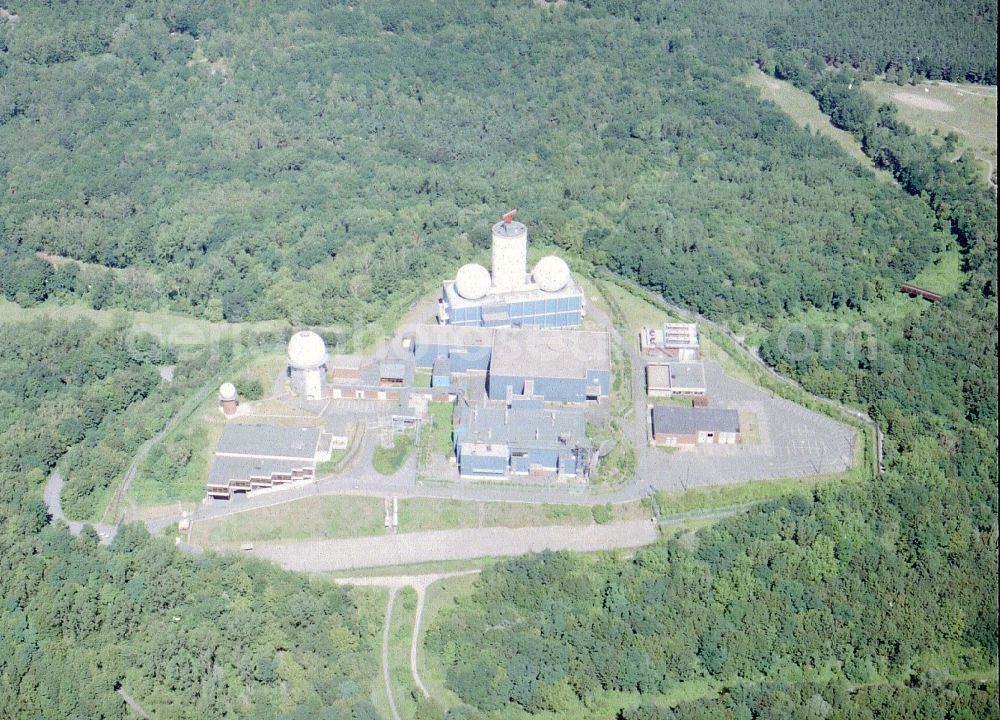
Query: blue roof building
497	442
557	366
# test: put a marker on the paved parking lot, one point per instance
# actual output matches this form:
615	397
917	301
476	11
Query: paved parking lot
793	442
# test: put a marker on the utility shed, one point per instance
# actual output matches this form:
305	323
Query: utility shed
673	379
673	341
529	440
695	425
555	365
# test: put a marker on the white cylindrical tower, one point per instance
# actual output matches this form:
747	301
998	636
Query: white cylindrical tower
307	364
510	255
229	398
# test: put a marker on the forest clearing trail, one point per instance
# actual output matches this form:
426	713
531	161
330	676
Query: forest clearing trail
386	675
419	583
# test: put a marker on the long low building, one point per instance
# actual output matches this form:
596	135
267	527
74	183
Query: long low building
249	457
695	426
526	439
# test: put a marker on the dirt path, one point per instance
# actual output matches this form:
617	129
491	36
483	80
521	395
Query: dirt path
386	633
130	701
419	583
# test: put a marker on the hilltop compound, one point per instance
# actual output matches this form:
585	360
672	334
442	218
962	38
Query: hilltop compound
509	296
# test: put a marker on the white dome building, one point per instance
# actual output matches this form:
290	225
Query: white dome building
307	358
472	281
551	273
229	398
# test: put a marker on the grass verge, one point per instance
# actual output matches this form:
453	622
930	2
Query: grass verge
388	461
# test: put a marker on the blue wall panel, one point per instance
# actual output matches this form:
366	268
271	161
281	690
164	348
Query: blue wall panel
470	464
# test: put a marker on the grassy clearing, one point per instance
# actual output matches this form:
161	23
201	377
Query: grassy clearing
416	514
331	466
435	438
676	401
388	461
943	274
676	502
442	566
938	108
171	328
804	110
340	516
325	516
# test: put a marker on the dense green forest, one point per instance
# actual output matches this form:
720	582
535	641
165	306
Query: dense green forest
191	637
358	153
319	161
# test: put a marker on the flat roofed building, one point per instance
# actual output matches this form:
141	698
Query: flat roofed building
695	425
687	378
658	381
248	457
673	341
345	367
498	441
468	349
555	365
252	440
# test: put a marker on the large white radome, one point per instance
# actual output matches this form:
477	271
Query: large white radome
306	350
472	281
227	391
551	273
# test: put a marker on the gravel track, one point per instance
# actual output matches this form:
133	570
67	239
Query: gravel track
438	545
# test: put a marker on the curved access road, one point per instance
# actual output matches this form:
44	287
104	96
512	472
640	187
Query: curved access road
53	489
